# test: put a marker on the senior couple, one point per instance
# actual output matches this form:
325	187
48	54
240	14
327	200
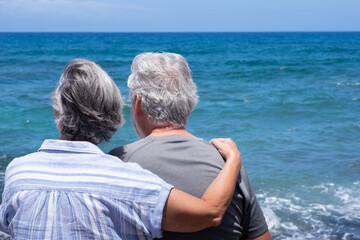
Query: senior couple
70	189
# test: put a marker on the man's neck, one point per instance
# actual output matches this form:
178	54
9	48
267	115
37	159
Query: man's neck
169	131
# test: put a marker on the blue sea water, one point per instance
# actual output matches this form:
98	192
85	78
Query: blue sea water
291	102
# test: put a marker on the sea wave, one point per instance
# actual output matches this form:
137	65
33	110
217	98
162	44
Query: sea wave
348	83
323	217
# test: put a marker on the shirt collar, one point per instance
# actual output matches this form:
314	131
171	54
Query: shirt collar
70	146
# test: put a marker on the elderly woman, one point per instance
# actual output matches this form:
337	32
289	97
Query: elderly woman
70	189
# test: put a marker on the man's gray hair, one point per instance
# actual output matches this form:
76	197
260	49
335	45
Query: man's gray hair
165	86
88	103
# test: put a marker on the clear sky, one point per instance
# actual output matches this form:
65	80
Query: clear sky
178	15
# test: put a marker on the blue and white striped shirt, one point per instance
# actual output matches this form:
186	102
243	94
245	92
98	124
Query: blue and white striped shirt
72	190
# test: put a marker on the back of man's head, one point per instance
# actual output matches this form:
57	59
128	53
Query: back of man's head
164	83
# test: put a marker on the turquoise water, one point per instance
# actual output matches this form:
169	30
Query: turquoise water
291	102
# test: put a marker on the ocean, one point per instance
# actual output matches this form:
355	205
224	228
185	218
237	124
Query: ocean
291	102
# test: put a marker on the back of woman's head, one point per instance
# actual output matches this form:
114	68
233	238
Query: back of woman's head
88	103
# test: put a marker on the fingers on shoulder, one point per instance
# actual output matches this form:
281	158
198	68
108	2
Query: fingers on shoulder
223	141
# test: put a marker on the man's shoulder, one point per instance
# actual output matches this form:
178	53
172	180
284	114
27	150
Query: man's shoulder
124	151
160	145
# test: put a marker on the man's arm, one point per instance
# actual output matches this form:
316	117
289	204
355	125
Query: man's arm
185	213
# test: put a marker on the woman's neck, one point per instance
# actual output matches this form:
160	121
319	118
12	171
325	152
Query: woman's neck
64	137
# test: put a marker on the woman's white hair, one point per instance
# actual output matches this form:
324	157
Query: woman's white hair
88	102
165	86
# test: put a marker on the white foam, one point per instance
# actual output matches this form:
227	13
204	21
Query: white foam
2	178
348	84
272	220
303	217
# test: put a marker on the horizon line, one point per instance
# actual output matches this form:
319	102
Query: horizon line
292	31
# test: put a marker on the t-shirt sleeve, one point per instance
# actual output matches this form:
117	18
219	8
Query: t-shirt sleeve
254	219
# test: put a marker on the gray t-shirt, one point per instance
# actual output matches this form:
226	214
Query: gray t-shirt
191	164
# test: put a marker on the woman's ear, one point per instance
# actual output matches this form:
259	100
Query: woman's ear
56	114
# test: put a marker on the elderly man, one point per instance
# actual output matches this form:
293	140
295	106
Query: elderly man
163	94
70	189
